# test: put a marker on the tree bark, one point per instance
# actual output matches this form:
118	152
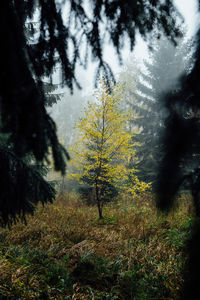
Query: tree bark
98	202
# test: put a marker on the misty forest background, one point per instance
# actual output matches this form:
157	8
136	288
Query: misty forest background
85	172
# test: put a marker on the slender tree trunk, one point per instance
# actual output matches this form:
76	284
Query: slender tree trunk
98	202
100	166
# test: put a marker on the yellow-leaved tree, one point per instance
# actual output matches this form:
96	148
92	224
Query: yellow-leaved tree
104	148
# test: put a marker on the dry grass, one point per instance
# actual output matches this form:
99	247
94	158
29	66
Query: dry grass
65	252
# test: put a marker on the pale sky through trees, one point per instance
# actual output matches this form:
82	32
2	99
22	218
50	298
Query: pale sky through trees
189	12
188	9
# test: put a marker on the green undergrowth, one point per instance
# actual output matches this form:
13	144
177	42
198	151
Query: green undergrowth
66	252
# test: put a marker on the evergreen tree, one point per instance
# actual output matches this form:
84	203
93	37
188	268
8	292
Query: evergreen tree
22	101
23	66
159	75
51	93
182	143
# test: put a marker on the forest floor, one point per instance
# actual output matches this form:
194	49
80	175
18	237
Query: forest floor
66	252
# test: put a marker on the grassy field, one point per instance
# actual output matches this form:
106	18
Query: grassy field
65	252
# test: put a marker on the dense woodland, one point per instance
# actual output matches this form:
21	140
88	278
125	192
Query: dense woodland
99	193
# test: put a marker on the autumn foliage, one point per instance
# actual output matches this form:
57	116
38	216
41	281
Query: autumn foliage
104	147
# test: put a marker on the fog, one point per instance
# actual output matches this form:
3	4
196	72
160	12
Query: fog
68	109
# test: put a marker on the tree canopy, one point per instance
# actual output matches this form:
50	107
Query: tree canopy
144	87
27	58
23	115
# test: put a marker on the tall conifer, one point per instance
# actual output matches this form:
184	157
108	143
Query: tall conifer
23	114
159	75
